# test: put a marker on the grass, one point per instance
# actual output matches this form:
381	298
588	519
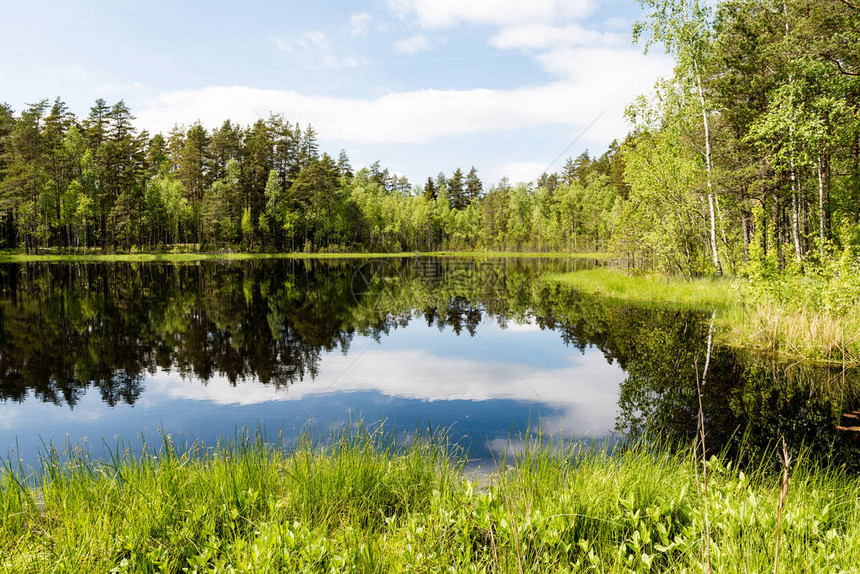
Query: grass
17	257
364	504
797	333
700	293
783	329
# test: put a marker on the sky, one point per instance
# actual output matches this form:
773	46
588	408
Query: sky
416	374
422	85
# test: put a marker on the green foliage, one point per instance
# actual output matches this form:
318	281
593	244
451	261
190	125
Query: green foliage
661	223
765	98
808	311
829	284
99	183
362	503
247	227
700	293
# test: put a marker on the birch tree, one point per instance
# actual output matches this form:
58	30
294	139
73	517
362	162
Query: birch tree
683	27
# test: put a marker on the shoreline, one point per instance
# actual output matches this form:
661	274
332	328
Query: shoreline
242	256
764	327
361	503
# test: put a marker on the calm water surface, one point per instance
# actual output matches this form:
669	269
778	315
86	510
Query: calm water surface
95	353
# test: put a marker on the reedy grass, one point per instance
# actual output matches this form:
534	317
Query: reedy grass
698	293
365	504
795	333
787	331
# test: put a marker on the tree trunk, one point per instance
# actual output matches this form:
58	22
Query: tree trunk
820	206
714	252
795	223
778	230
804	218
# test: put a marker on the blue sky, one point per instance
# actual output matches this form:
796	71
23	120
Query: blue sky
423	85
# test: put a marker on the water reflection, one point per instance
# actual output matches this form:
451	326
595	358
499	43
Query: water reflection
106	350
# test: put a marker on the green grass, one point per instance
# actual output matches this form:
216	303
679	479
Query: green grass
16	257
782	329
364	504
795	332
700	293
528	254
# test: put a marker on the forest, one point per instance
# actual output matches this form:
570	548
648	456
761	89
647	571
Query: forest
751	151
101	183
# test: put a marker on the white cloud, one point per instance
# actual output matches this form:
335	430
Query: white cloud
399	117
543	37
70	73
596	71
618	23
607	71
522	171
332	61
124	90
445	13
593	79
412	45
588	396
317	41
359	23
313	39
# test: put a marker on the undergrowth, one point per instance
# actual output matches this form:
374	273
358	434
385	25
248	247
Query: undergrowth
361	503
699	293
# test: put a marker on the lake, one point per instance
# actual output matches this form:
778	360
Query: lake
94	353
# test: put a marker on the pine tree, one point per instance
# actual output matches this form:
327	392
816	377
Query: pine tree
568	172
122	160
582	168
193	172
343	165
474	187
26	175
96	124
430	191
309	146
456	193
224	145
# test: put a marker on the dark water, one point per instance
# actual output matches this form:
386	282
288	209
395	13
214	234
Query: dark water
94	353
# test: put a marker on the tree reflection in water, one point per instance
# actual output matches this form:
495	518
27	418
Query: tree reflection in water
65	328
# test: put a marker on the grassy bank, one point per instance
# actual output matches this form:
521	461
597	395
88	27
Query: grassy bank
15	257
796	327
700	293
797	333
363	505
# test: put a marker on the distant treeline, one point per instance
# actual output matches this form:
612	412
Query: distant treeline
100	182
751	151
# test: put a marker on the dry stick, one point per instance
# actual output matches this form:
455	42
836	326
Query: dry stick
534	539
702	436
785	459
493	542
513	527
502	484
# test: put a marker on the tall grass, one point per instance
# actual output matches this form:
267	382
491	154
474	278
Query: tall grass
699	293
362	503
800	333
802	318
807	312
